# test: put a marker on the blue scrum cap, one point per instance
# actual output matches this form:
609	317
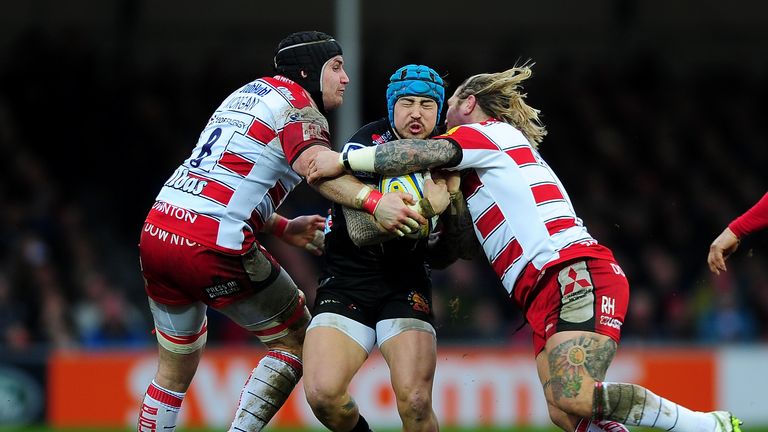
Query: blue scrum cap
415	80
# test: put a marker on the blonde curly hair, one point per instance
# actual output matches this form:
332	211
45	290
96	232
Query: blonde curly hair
498	94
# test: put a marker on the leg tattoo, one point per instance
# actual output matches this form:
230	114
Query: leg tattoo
570	361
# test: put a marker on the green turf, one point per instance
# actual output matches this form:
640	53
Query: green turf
443	429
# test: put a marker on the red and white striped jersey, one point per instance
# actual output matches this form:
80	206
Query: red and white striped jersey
240	170
521	212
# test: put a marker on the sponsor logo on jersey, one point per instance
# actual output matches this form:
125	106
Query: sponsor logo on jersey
311	131
284	79
617	270
418	302
182	181
610	322
577	292
167	237
242	103
173	211
328	301
223	289
286	93
220	119
257	88
381	139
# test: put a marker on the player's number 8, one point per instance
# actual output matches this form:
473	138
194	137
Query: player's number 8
206	150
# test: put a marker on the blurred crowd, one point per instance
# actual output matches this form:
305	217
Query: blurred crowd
656	161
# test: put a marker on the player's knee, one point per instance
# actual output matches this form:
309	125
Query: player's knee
414	404
175	371
324	400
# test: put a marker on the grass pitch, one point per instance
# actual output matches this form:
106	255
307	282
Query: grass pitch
42	428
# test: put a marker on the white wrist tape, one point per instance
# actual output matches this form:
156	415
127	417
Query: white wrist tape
362	159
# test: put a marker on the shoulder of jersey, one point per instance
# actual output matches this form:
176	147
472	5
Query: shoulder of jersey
454	129
373	133
292	92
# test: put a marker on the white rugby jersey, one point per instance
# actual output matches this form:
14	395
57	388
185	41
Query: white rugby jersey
240	170
522	214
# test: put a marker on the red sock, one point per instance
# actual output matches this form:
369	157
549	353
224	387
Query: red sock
159	409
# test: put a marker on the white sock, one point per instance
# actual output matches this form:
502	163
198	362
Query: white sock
589	425
265	391
159	409
633	405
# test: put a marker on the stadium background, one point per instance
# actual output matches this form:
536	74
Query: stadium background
656	115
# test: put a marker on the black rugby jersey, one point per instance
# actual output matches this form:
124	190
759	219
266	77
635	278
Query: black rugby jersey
399	259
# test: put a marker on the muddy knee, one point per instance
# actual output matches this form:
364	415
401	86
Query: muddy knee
328	404
414	404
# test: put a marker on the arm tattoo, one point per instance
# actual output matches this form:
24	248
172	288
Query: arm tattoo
363	228
409	155
574	359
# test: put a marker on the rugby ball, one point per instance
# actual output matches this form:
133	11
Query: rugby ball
413	184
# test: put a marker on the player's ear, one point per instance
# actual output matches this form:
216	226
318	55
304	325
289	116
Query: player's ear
469	104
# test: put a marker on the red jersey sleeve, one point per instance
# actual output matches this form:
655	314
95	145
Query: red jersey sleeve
301	125
753	220
468	138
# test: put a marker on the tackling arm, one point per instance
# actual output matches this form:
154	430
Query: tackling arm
390	210
409	155
393	158
342	189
